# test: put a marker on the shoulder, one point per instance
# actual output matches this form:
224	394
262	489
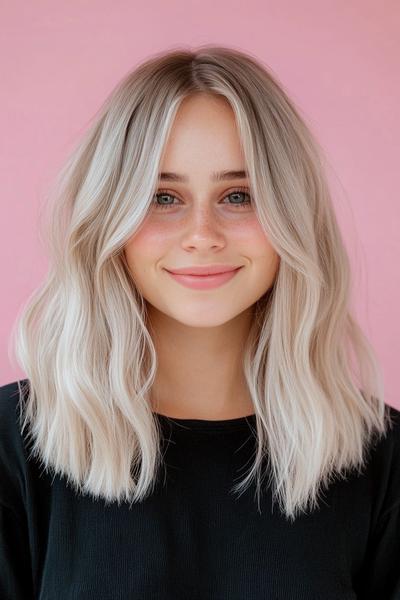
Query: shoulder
12	451
385	464
389	444
395	414
10	404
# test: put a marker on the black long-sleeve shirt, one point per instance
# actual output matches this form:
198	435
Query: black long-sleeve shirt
191	539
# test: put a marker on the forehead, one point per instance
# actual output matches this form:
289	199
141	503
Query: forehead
203	137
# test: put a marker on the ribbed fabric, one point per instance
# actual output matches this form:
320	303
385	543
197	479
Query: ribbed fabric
193	539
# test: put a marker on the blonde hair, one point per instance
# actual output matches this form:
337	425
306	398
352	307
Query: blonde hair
82	337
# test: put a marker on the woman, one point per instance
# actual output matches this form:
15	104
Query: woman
150	392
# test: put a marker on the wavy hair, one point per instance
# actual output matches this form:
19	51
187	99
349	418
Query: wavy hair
82	336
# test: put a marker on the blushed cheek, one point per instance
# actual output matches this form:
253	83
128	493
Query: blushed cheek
251	234
149	240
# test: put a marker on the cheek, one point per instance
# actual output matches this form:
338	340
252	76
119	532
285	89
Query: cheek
255	242
145	244
263	256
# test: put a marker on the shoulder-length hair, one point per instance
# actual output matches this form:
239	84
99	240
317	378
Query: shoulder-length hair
82	337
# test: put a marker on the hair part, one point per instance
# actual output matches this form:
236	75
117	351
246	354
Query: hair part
82	337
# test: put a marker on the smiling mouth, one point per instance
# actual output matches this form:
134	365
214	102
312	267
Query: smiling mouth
204	271
204	282
205	274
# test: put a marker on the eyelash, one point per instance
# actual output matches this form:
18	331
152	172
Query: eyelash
166	192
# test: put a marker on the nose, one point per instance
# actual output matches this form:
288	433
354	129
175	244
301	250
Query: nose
203	230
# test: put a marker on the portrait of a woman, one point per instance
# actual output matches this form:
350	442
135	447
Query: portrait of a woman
202	417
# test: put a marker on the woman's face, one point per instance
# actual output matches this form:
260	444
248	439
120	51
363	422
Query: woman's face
199	221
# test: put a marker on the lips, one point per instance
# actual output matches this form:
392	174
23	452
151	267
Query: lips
204	282
204	270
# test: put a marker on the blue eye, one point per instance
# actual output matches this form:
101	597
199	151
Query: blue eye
163	194
239	193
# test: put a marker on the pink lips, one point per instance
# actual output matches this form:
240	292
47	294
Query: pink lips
204	282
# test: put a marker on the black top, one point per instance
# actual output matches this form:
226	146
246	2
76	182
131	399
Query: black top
192	539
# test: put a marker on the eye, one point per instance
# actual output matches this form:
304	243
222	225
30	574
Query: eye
164	195
238	195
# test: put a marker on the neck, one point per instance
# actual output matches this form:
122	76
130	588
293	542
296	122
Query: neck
200	373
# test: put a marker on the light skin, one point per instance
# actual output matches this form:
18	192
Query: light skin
199	335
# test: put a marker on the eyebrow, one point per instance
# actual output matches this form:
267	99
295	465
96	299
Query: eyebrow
215	176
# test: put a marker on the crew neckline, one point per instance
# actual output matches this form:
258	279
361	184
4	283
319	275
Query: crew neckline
193	425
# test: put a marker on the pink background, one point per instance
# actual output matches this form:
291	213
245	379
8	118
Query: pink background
339	61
